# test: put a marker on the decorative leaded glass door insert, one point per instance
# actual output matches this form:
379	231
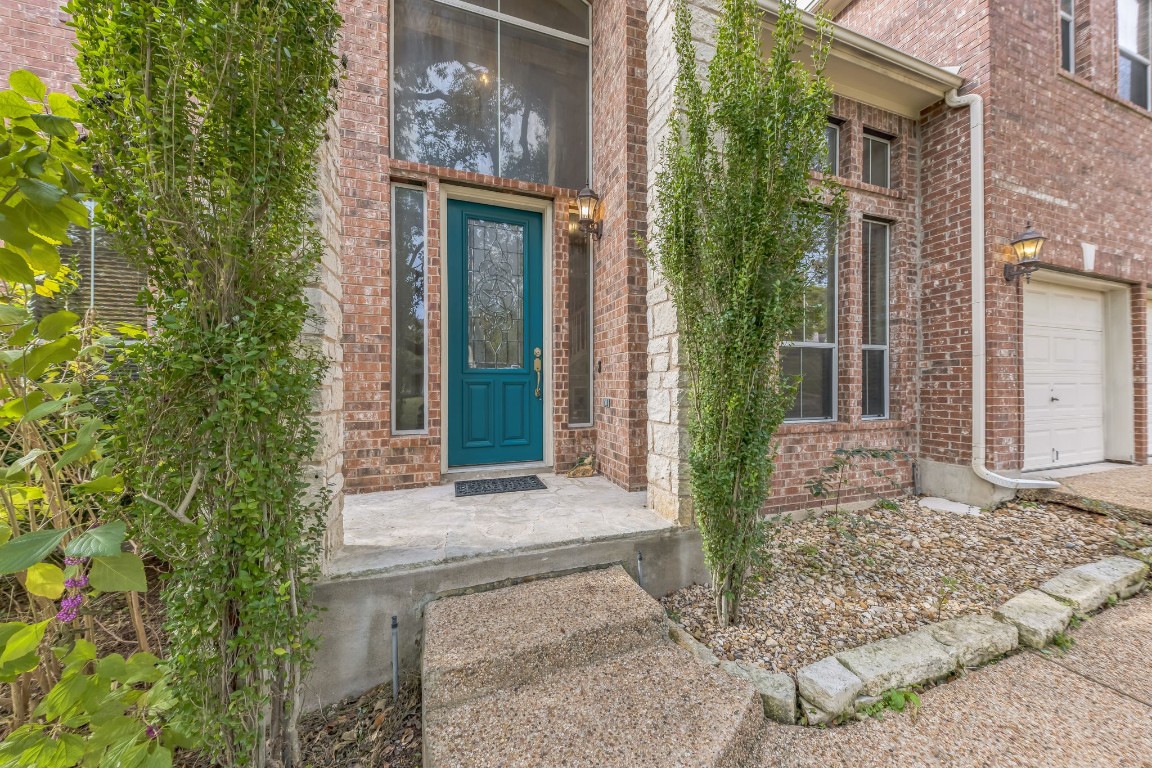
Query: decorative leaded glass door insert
496	370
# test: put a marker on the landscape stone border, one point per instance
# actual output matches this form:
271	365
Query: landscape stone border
837	687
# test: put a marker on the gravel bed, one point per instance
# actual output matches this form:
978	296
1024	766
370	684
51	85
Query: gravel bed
837	581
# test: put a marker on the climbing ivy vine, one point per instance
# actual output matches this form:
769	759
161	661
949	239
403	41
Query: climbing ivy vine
205	118
738	212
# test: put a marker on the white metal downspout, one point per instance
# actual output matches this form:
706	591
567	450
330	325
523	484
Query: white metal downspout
975	106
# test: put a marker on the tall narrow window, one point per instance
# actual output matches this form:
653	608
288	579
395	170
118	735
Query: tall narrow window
876	253
494	86
409	341
579	328
810	354
877	160
1068	35
1134	27
832	136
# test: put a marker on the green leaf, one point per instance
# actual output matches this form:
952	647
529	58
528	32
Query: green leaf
13	105
57	324
44	409
27	85
42	195
64	697
11	315
55	125
14	269
37	360
85	442
82	653
23	642
106	484
142	669
19	338
159	757
122	573
112	667
45	580
64	105
104	541
25	551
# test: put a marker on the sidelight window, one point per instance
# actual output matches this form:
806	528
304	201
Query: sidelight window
409	317
875	349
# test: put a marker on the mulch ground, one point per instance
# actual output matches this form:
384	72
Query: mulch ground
369	731
837	581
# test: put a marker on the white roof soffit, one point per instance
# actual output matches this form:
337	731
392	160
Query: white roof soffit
871	72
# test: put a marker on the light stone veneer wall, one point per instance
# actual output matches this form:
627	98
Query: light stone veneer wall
668	487
325	294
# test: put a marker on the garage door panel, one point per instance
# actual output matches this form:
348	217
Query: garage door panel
1063	376
1037	348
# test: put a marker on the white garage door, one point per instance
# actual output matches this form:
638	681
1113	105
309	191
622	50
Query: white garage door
1063	376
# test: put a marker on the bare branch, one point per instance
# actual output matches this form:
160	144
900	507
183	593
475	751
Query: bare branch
181	512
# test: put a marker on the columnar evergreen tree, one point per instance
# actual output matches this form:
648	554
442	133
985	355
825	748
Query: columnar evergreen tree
738	212
205	117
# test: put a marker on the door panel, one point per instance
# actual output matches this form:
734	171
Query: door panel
1063	376
495	410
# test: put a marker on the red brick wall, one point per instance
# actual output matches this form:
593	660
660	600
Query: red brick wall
375	459
35	38
945	34
619	166
1067	154
806	447
1062	151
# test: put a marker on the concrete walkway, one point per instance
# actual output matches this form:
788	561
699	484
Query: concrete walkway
1089	707
1123	491
574	671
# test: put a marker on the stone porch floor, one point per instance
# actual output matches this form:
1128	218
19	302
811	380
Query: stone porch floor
395	529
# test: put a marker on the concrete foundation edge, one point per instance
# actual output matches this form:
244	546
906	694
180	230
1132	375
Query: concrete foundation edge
957	482
354	626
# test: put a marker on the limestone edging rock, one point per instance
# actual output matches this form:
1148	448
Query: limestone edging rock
839	685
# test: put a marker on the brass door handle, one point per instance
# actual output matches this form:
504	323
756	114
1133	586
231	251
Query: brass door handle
538	365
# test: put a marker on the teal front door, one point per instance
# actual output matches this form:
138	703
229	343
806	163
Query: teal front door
495	316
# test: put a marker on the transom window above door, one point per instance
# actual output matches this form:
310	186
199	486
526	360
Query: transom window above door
500	87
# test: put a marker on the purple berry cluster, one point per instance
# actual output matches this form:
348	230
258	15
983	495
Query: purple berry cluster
70	605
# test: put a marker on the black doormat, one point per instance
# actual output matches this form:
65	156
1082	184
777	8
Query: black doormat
499	485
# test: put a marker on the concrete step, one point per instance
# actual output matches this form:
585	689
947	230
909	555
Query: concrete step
477	643
574	671
657	706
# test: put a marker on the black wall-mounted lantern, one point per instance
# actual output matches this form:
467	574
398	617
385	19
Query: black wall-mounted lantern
1026	246
590	212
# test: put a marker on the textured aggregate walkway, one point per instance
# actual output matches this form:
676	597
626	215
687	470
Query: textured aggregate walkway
1089	707
575	671
1125	492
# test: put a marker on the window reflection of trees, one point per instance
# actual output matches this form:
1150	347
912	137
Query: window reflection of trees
410	308
458	103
